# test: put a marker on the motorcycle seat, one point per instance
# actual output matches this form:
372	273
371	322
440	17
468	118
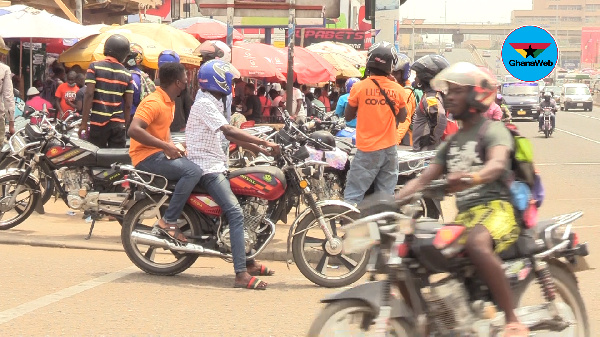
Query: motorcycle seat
525	246
197	189
106	157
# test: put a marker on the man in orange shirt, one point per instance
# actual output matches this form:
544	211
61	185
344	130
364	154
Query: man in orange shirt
401	73
153	151
65	96
378	105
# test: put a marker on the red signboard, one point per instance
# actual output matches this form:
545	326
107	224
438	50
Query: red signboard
358	39
590	43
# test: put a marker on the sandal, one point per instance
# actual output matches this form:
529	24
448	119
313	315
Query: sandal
515	329
172	231
264	271
254	284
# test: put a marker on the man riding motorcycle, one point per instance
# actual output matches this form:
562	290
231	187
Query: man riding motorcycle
548	102
477	177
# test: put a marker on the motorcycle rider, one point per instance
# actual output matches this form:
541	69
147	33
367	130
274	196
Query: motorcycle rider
153	151
378	105
401	73
477	177
548	102
205	127
429	121
343	101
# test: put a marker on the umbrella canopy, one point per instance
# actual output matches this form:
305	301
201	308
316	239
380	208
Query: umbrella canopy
169	37
342	65
345	50
251	61
91	49
29	22
309	67
206	29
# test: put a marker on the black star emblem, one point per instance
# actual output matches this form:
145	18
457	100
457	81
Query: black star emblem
529	52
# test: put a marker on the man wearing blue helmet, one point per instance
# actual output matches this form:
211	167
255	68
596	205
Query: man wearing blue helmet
205	127
343	101
183	103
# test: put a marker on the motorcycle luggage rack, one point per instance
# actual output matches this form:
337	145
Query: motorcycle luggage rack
138	180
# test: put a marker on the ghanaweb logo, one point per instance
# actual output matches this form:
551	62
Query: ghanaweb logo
529	53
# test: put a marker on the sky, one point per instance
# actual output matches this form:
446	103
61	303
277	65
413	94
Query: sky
462	11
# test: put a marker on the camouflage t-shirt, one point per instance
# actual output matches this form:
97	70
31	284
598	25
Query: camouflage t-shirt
461	154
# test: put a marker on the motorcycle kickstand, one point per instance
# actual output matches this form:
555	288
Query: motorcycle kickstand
39	208
91	229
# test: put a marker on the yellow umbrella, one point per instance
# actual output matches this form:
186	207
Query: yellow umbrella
344	67
91	49
170	38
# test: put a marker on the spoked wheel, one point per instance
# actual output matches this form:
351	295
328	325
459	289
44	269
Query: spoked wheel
321	262
25	201
154	260
238	158
46	183
354	318
567	292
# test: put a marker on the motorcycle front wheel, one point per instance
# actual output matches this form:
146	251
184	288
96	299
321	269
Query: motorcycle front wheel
25	201
317	260
154	260
46	182
354	318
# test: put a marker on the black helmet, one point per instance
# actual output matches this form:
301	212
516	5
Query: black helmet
428	66
324	137
117	46
382	56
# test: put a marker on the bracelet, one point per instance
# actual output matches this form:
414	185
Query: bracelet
475	178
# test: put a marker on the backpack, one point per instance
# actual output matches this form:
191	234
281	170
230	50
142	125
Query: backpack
146	84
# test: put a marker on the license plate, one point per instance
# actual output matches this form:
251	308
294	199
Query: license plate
521	112
579	104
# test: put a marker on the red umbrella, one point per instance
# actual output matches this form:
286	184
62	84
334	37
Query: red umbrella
310	67
206	29
252	61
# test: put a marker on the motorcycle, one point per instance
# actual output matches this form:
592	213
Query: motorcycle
431	288
76	167
266	195
240	157
547	125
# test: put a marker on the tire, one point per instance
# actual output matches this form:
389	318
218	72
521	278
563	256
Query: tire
130	222
356	264
430	210
25	210
567	283
546	132
46	183
327	316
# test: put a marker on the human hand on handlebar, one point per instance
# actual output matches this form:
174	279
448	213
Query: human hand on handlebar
459	181
272	149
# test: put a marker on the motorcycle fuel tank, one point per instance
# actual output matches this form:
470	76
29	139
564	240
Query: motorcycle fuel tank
264	182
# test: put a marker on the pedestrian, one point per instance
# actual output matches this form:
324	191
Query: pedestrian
342	102
307	103
35	101
321	95
253	108
277	104
265	102
7	100
297	110
80	80
65	96
142	84
183	102
51	84
108	96
377	104
317	105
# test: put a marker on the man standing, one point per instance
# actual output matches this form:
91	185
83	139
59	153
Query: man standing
152	150
108	96
80	80
203	138
401	73
253	107
65	96
7	102
376	102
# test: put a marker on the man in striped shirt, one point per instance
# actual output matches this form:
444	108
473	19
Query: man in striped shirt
108	96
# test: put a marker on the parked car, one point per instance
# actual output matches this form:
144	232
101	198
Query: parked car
576	96
448	47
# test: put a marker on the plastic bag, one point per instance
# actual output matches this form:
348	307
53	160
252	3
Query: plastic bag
336	159
521	194
314	154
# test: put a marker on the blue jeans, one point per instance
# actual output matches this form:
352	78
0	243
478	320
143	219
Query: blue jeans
181	169
379	166
218	187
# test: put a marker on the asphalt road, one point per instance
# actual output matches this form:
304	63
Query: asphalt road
54	291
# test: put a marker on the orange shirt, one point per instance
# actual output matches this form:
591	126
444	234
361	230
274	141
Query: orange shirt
157	110
411	106
66	93
375	123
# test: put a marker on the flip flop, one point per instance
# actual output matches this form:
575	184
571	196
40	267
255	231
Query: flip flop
253	284
264	271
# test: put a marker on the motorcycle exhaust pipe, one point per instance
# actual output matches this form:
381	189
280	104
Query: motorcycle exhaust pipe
144	238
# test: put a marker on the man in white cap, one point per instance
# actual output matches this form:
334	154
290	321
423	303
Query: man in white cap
35	101
7	97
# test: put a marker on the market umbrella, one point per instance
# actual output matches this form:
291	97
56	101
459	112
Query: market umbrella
206	29
253	60
169	37
309	67
344	67
32	23
344	50
91	49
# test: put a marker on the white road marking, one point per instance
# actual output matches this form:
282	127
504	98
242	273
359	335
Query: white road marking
582	115
25	308
558	164
579	136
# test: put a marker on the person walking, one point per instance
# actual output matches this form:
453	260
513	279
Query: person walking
7	101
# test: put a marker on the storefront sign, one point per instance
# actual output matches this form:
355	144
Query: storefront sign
358	39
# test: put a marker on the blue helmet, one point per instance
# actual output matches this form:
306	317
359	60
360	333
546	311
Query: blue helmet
167	56
403	65
350	82
216	76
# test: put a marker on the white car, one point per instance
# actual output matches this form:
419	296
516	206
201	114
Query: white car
576	96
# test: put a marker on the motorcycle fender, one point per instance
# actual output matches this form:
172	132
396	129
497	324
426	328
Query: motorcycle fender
18	172
308	211
370	293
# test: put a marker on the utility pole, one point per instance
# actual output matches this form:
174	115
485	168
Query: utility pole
289	88
79	10
412	39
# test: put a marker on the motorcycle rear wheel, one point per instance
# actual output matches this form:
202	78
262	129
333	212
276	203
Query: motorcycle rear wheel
146	257
330	321
320	265
24	206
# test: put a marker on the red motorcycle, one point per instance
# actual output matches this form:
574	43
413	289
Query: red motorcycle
266	195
